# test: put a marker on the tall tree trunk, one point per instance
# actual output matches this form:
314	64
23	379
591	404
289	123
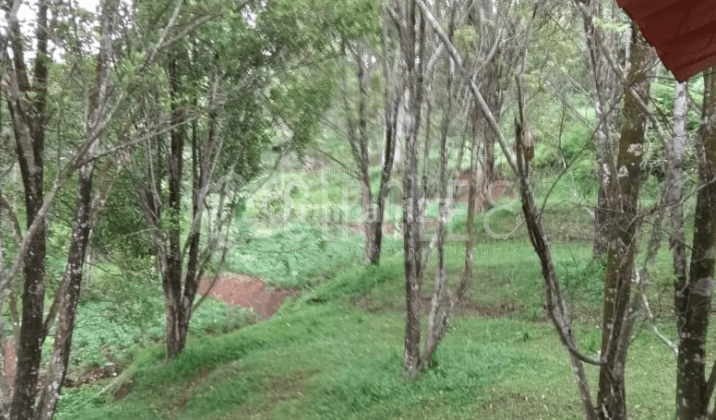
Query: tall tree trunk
364	158
471	208
492	81
29	124
413	35
693	298
70	292
181	287
31	329
605	96
172	276
5	386
392	97
391	110
439	312
674	189
623	200
494	55
68	302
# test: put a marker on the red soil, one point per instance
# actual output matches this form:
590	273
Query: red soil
248	292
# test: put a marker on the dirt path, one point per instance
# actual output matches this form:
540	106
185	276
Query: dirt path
248	292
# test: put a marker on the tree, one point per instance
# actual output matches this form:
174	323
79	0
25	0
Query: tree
692	292
411	32
624	192
27	97
622	198
367	47
219	91
605	96
183	261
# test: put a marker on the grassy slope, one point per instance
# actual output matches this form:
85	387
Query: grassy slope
335	353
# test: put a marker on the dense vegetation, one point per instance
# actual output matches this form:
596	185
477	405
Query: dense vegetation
522	178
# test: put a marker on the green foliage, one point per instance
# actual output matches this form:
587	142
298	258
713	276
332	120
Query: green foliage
117	316
356	281
121	229
486	368
295	256
583	282
357	19
372	388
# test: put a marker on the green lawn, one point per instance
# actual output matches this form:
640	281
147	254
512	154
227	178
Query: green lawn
335	350
335	353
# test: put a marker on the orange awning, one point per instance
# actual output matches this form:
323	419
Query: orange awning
682	31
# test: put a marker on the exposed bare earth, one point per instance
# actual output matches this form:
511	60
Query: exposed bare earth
248	292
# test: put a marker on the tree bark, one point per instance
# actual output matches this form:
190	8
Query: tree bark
392	101
693	298
555	304
490	78
471	210
5	386
68	302
172	275
412	32
360	147
675	185
29	125
180	287
623	201
605	97
440	310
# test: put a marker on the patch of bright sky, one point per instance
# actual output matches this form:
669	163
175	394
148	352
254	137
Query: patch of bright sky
26	13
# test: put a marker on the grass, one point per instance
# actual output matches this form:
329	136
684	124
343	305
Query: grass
335	351
297	258
337	362
113	329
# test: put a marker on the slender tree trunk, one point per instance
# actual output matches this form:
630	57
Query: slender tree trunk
181	287
68	302
172	276
555	304
623	199
471	210
29	125
693	299
391	110
439	313
31	328
413	36
605	83
392	98
677	240
494	101
674	190
364	159
5	386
